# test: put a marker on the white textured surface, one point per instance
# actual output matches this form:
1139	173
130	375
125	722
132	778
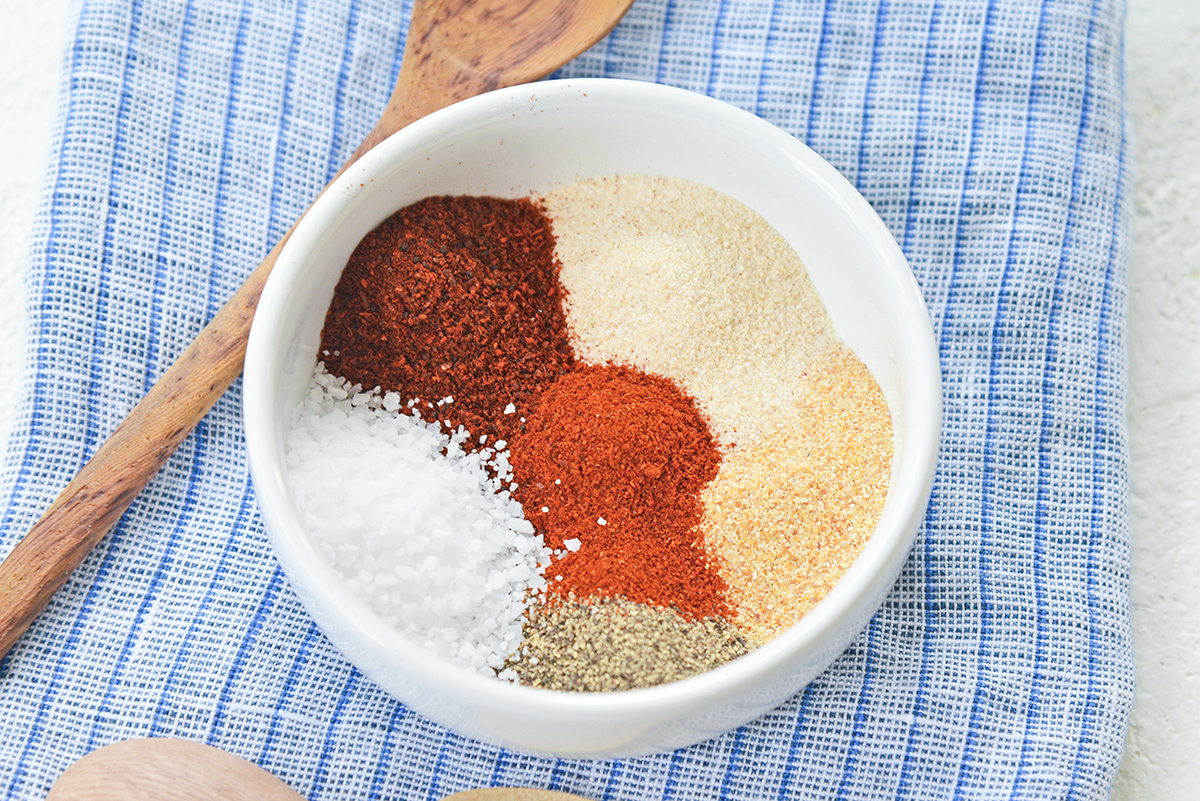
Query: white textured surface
32	41
1162	759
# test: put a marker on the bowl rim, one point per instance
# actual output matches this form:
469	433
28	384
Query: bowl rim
923	404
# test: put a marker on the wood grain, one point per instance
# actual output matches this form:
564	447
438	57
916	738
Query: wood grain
455	49
166	769
513	794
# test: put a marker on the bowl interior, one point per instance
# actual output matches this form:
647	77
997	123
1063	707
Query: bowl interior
514	142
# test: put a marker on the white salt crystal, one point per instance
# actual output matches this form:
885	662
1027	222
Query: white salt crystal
510	408
424	535
572	544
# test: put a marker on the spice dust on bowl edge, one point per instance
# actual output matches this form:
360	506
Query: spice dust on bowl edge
521	142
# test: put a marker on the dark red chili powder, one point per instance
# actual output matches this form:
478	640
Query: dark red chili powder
616	458
454	296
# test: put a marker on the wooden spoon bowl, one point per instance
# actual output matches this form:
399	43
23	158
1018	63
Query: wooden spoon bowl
178	770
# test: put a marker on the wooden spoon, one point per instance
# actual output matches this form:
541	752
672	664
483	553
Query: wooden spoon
455	49
178	770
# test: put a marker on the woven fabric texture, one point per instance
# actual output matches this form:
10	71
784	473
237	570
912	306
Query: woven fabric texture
990	137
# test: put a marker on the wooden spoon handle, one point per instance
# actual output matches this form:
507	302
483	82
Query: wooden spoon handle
455	49
105	487
513	794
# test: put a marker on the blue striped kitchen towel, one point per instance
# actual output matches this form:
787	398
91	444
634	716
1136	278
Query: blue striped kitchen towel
990	137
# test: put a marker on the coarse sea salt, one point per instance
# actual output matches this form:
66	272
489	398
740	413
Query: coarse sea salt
423	532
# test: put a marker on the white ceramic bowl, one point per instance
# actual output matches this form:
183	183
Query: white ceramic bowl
528	138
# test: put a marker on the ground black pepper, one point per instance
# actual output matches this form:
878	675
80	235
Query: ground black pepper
609	644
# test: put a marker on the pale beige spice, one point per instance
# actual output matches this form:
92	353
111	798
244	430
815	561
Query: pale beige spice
787	515
678	279
607	644
675	278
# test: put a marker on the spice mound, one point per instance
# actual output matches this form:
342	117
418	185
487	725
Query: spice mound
598	439
610	643
416	525
614	459
454	297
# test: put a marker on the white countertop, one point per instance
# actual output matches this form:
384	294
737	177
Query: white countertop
1162	759
32	38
